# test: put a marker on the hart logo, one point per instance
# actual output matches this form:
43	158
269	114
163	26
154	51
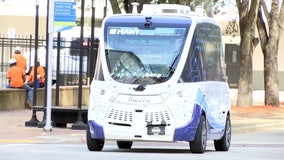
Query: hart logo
139	100
124	31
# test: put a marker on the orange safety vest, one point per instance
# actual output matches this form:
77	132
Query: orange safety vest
16	75
21	61
40	71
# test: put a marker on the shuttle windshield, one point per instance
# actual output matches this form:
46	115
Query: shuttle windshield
141	55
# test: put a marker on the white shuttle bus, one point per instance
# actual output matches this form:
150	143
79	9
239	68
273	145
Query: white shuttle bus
160	77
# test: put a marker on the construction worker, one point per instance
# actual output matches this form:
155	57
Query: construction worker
40	76
16	77
21	60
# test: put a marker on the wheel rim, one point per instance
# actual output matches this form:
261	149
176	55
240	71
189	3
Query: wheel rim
228	133
204	134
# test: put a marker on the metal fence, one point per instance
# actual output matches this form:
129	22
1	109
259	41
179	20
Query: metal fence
66	57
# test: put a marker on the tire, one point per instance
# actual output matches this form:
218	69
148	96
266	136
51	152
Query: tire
124	144
200	142
94	144
224	143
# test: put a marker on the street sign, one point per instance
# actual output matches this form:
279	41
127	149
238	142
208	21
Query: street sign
64	14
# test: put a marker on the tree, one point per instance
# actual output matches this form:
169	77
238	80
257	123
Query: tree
270	34
127	6
248	10
115	6
207	4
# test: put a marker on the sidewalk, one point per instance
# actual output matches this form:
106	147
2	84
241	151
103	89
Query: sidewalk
244	119
13	129
258	116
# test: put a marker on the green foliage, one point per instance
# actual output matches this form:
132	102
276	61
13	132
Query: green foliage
232	28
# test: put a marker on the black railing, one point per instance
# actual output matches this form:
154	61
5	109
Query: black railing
64	72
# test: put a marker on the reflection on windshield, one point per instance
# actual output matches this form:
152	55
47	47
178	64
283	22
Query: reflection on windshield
143	56
126	67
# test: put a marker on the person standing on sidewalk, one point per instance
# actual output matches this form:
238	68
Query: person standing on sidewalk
16	77
21	60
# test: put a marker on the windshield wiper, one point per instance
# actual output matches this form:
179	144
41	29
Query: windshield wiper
172	67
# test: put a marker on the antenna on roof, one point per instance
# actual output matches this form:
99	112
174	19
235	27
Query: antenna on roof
135	5
155	2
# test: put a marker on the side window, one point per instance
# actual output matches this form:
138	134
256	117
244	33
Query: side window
212	50
203	61
193	68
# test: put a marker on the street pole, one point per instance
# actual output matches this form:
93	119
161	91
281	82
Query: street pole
41	124
79	124
34	121
48	126
92	57
36	52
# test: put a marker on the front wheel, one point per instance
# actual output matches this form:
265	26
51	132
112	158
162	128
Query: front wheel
200	142
124	144
93	144
224	143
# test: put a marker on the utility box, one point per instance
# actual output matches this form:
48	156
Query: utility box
232	60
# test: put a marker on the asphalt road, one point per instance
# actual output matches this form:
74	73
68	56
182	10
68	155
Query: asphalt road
260	145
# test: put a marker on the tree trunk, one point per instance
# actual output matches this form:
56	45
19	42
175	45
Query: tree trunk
271	75
269	38
247	28
115	7
271	83
245	81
